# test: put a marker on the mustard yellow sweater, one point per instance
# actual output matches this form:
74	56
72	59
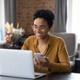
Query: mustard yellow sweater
56	52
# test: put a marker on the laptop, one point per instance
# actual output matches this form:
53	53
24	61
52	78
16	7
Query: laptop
18	63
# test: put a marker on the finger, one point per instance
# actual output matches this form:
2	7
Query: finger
46	58
36	62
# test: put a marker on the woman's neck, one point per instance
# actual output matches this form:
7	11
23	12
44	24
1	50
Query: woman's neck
43	41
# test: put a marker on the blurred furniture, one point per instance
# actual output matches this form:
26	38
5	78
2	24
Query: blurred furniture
21	40
1	46
18	44
77	65
70	41
2	43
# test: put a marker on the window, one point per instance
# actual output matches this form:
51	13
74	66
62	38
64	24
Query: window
2	22
73	21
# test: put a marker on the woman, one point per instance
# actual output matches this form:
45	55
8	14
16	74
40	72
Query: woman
56	56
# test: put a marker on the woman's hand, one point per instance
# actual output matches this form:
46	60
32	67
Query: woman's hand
44	63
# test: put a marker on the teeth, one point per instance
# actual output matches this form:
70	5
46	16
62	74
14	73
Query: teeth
38	34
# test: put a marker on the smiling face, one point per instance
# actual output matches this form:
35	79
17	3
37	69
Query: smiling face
40	28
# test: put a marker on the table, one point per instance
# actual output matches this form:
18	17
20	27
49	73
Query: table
63	76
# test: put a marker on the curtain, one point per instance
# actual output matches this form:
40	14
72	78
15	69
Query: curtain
10	11
60	15
73	21
2	22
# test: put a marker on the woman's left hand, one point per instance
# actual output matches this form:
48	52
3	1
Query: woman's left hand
45	62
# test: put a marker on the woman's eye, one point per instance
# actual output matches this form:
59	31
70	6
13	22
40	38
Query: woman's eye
42	27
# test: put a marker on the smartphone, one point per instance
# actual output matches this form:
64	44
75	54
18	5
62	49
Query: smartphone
39	56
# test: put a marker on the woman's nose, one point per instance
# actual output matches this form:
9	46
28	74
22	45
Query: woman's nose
38	29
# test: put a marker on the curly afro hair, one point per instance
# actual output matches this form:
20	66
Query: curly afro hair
46	15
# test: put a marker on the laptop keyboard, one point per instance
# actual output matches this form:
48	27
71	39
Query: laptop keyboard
37	75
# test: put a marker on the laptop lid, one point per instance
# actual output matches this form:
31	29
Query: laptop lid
17	63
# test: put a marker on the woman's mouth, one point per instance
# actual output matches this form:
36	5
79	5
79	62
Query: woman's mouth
38	34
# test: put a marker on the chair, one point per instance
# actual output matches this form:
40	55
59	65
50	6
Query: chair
70	41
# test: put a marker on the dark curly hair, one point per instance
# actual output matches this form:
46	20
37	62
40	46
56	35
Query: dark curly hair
46	14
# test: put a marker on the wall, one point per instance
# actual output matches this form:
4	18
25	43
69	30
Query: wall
26	9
